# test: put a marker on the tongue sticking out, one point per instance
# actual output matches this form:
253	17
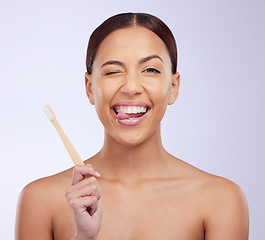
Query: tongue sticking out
122	115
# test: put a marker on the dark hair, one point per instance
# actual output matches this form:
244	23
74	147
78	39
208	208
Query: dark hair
125	20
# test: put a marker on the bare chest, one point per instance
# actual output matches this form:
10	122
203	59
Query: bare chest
142	215
152	216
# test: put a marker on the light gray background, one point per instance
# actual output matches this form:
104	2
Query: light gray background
217	124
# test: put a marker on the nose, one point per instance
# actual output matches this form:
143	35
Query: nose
131	85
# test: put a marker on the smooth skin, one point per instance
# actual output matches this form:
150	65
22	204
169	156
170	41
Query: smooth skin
146	193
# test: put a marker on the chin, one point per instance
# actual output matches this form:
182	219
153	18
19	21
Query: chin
131	142
133	138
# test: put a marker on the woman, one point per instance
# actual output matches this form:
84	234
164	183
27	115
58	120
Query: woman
146	193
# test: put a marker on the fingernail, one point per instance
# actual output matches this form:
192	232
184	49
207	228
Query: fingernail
97	174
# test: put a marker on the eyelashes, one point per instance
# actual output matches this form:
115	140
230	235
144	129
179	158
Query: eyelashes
111	73
148	70
152	70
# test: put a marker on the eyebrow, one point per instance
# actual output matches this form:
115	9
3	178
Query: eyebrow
146	59
142	60
113	62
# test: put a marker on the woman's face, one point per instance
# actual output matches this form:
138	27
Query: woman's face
132	84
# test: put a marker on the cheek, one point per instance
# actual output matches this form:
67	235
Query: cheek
159	90
103	96
102	92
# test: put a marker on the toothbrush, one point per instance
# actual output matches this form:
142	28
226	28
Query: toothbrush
69	147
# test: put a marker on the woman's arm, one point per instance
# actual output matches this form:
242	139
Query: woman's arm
227	212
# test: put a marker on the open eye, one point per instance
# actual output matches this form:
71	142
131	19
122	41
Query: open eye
151	70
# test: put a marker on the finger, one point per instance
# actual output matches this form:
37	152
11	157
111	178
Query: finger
85	205
80	172
93	208
86	182
84	188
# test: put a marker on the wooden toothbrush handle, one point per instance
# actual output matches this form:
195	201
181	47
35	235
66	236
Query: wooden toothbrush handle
69	147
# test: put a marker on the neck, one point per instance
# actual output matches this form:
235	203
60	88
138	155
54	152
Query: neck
128	163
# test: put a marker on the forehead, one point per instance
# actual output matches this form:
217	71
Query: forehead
129	43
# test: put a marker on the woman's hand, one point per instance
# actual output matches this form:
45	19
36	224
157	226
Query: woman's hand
84	199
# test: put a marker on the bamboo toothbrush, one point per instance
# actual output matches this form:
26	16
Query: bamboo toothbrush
69	147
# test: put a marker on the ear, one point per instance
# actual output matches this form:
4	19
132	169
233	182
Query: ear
174	92
89	91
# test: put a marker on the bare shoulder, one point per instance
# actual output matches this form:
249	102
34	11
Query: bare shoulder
213	187
52	184
224	206
216	186
226	210
37	204
223	195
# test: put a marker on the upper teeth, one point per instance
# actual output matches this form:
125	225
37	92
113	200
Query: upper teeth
130	109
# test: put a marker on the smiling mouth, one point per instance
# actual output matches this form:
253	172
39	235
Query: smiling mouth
129	112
